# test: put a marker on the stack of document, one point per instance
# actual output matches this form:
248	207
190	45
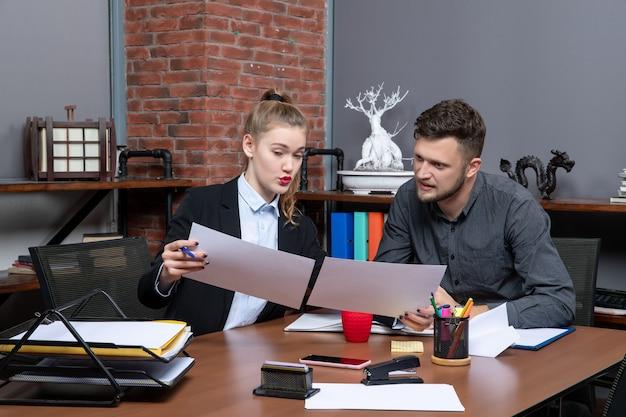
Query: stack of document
331	322
141	373
123	347
164	338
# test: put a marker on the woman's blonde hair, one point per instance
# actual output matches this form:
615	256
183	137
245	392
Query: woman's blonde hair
275	108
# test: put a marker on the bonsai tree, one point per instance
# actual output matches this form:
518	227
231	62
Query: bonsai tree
379	152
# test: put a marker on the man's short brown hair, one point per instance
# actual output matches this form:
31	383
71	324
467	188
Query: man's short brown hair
453	118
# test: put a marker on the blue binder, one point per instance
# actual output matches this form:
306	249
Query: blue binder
342	235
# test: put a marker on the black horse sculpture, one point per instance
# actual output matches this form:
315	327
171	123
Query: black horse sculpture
546	180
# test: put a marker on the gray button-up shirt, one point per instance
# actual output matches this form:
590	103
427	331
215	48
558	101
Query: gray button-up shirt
498	250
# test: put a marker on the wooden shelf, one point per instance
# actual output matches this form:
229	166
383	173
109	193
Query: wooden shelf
10	283
574	205
98	190
8	186
583	205
344	196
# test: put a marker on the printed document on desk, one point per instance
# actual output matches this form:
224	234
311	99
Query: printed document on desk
165	338
251	269
490	333
413	397
331	322
376	287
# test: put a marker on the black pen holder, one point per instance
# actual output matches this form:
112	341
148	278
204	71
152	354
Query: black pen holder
286	382
451	341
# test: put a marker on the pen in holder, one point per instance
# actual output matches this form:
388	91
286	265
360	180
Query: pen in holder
451	341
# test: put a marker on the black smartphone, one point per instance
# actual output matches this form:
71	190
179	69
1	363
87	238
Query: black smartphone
335	361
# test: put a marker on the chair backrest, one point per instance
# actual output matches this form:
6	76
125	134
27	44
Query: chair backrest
67	272
615	405
580	256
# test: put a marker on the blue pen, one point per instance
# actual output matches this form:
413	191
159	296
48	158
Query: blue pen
187	252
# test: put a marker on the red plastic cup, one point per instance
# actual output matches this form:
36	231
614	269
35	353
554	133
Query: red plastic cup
356	326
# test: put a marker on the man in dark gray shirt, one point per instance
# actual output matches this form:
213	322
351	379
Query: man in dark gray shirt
489	230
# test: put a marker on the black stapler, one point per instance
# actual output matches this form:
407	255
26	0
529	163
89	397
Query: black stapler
378	374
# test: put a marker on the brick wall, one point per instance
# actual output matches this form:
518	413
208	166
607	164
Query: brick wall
195	68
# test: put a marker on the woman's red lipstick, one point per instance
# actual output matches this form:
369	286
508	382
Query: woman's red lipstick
285	180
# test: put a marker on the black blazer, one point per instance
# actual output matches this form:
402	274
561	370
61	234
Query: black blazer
206	307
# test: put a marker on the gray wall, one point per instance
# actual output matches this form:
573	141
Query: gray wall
53	53
544	75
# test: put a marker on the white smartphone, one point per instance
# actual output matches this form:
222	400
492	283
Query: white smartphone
335	361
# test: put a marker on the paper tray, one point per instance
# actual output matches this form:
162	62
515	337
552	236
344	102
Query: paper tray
127	373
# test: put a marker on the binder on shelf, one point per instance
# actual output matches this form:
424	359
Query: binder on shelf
360	236
342	235
375	223
69	352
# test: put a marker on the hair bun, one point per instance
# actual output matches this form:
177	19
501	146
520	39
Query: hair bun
272	95
275	97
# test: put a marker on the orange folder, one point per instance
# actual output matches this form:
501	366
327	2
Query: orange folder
375	223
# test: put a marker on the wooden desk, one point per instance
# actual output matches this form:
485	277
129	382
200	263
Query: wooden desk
100	190
228	369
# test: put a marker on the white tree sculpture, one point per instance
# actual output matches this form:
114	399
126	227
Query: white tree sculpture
379	152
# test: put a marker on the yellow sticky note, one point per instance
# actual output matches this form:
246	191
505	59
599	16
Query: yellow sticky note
407	346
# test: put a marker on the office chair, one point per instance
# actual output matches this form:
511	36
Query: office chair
580	256
67	272
615	405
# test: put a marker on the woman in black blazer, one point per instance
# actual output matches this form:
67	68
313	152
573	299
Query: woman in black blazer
274	141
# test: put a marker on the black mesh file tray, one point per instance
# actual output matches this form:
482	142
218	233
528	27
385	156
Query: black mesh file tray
77	375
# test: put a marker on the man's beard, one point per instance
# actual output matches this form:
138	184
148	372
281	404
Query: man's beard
447	194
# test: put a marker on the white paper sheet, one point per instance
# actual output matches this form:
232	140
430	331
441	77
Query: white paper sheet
377	287
251	269
150	334
413	397
490	333
331	322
